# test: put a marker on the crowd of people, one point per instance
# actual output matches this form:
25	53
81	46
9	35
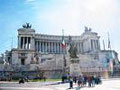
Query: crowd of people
83	80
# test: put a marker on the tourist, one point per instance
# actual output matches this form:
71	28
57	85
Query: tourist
44	78
89	81
71	84
92	81
75	79
85	80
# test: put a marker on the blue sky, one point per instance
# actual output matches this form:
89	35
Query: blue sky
51	16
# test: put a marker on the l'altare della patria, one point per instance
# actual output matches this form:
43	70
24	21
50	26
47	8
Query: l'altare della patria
40	55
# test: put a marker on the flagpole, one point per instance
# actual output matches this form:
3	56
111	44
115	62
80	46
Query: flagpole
103	45
109	44
111	61
63	32
63	51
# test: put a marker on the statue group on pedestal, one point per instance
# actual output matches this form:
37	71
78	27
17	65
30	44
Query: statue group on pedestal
72	50
27	25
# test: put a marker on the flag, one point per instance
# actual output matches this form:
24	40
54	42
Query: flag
63	41
111	65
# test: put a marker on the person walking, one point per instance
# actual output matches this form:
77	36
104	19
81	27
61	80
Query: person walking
71	84
75	79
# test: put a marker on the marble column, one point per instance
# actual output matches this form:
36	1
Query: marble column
39	46
49	47
91	44
78	47
27	43
95	44
23	43
60	47
19	42
30	43
98	44
52	47
45	46
57	47
36	45
82	47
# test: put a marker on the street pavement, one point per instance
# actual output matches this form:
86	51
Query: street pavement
109	84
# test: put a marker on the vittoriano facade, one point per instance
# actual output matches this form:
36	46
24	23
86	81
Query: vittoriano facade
29	40
45	52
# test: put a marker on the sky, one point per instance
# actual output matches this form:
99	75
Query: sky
51	16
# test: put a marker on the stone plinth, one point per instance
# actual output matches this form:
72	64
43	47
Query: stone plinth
75	67
106	74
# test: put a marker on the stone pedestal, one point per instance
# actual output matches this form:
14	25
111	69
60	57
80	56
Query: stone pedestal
75	67
106	74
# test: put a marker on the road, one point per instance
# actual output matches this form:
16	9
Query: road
111	84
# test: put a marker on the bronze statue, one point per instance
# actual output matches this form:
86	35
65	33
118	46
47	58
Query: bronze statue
73	50
27	25
87	29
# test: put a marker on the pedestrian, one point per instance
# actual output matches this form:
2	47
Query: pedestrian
89	81
80	81
75	79
71	84
92	81
62	79
44	78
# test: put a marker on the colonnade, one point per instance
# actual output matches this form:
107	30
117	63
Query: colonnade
53	47
24	42
95	45
79	47
50	47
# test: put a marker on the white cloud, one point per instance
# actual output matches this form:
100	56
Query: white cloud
30	1
101	15
75	14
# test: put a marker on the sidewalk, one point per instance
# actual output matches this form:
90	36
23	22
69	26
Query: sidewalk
109	84
40	83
